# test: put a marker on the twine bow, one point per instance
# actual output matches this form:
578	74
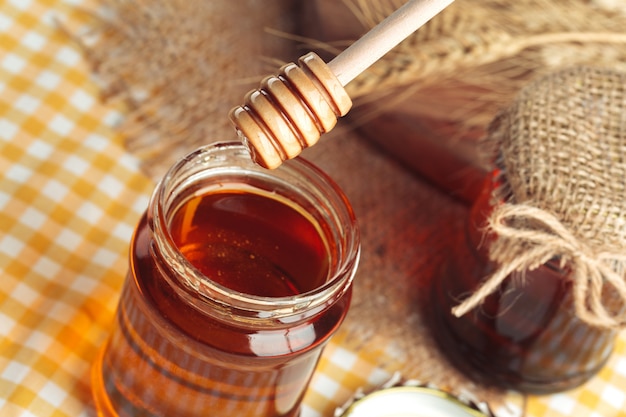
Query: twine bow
540	237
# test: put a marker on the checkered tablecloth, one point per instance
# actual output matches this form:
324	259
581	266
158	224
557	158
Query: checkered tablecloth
70	196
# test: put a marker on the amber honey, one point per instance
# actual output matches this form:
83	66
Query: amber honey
251	243
243	335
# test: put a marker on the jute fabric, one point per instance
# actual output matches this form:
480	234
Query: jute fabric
180	65
561	151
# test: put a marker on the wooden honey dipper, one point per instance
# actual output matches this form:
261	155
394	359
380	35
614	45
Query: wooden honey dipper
290	111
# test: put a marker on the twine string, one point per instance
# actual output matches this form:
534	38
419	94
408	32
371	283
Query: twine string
528	237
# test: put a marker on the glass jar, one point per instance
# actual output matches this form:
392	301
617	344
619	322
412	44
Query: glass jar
524	336
238	277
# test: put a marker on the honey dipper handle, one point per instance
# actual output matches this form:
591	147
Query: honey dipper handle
383	37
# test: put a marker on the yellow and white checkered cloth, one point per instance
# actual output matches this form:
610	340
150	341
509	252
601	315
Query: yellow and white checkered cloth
69	199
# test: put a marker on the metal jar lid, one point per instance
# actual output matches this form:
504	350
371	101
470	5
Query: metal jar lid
411	399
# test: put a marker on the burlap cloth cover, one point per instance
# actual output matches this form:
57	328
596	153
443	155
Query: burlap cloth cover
561	149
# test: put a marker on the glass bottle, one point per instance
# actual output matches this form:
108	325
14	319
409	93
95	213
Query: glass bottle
238	277
526	335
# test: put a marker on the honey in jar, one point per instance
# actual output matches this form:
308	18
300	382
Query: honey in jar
238	278
524	336
534	294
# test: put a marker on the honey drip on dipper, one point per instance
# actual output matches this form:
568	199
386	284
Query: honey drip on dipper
290	111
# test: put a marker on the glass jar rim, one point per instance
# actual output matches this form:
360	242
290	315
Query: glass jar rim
340	276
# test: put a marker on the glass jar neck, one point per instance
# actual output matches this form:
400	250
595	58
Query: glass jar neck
221	166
